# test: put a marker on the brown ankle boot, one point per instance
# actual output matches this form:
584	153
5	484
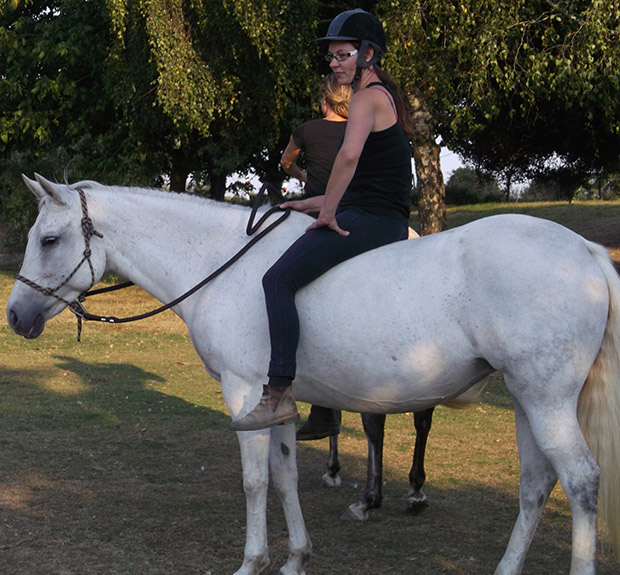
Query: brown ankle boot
322	422
277	405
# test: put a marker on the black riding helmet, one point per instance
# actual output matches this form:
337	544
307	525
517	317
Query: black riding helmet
358	26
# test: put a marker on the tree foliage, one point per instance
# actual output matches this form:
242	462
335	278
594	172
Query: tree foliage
53	56
517	82
192	87
467	186
129	90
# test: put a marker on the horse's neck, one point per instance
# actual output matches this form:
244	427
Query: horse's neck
165	244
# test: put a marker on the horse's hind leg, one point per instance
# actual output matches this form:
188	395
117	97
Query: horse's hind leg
374	425
551	445
537	481
283	464
416	498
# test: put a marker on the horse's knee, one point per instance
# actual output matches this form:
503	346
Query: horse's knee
284	481
255	485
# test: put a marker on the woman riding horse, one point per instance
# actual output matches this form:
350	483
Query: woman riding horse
366	204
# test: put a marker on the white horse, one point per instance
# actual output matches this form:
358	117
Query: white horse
400	328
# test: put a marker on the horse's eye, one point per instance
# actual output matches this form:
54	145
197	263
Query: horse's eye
48	241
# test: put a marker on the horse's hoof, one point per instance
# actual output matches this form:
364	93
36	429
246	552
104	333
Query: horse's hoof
417	502
356	512
331	480
297	561
253	566
285	570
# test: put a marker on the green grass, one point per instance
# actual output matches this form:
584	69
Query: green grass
586	218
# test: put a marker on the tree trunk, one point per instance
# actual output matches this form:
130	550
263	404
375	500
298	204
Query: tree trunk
508	186
218	186
179	172
426	151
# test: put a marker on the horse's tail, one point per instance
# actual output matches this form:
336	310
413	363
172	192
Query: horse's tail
599	407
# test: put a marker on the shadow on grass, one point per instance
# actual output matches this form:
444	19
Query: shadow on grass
109	476
106	394
119	479
106	475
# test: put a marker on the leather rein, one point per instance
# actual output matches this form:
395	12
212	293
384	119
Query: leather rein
88	232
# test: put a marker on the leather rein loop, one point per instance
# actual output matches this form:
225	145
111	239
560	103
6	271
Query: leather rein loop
88	230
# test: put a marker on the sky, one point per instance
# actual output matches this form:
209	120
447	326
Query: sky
449	162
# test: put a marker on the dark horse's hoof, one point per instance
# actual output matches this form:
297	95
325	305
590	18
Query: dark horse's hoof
417	502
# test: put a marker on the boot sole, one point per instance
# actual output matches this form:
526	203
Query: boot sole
278	421
317	435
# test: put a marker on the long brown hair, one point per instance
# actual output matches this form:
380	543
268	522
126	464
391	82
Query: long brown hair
403	110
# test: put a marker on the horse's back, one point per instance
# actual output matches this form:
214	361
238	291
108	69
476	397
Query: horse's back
446	309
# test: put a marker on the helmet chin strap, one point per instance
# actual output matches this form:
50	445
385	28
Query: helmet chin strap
362	63
356	79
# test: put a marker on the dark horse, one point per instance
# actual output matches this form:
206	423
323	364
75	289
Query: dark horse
374	426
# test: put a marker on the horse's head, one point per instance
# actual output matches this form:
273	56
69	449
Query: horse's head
62	258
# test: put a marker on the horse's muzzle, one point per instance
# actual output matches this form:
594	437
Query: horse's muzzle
29	326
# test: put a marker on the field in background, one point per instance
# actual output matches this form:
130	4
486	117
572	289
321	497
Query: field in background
115	459
595	221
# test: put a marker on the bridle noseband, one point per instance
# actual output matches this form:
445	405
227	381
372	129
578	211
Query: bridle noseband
88	232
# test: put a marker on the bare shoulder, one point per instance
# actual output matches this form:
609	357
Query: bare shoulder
364	101
375	100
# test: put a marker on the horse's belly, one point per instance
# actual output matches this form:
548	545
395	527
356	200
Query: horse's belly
387	384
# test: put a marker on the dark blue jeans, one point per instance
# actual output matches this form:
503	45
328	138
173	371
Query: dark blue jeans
308	258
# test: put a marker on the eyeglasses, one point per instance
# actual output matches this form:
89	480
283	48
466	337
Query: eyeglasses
340	57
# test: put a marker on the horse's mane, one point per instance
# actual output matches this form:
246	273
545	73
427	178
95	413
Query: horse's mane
158	192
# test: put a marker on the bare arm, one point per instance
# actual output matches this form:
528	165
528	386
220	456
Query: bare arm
289	163
307	206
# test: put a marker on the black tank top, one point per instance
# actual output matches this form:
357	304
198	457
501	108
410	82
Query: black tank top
383	179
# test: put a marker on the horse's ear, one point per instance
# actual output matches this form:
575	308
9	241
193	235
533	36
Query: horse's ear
33	187
42	188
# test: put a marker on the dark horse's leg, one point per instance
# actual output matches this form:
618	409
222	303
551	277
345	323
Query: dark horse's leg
332	475
416	498
374	426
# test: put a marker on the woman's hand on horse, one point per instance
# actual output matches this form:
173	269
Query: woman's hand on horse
326	221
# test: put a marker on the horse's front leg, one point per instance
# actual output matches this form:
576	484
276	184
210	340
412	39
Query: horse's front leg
331	478
283	464
255	463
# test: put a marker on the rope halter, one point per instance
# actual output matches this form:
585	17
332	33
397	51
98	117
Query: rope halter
88	231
